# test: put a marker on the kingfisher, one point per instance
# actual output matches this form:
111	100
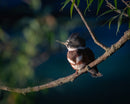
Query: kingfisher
78	55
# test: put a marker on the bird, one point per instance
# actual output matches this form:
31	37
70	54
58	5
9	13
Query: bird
78	55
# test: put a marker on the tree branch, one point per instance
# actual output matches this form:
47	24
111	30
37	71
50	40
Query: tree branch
69	78
126	3
113	8
90	31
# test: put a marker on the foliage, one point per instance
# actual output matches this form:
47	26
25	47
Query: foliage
19	50
31	37
100	2
128	12
71	8
34	36
115	3
99	5
89	2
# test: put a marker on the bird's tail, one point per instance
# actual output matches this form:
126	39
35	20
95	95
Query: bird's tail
95	73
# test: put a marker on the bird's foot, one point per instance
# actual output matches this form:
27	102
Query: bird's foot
78	71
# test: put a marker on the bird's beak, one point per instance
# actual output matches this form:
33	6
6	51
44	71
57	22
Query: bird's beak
64	43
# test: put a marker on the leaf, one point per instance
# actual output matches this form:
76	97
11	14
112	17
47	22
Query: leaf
115	3
129	23
89	2
128	12
78	1
100	2
119	21
110	20
106	12
65	3
71	8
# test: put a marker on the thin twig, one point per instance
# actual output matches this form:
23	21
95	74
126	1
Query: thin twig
90	31
113	8
126	3
69	78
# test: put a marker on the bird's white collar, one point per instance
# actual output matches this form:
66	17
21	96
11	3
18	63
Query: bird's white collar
73	49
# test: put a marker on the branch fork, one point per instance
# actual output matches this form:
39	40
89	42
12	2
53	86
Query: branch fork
90	31
70	78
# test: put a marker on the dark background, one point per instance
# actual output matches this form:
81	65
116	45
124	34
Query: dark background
112	88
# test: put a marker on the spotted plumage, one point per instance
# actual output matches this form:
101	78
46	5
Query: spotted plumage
79	56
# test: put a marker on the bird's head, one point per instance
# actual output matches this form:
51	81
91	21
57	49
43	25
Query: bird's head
74	42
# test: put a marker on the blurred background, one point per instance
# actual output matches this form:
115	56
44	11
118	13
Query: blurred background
29	54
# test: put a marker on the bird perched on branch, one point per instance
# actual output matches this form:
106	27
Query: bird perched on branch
78	55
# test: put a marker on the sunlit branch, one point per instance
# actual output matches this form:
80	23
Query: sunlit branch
126	3
90	31
69	78
113	8
72	77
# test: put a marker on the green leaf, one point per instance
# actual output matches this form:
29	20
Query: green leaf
110	20
128	12
129	23
35	4
106	12
71	8
100	2
65	3
89	2
78	1
119	21
115	3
